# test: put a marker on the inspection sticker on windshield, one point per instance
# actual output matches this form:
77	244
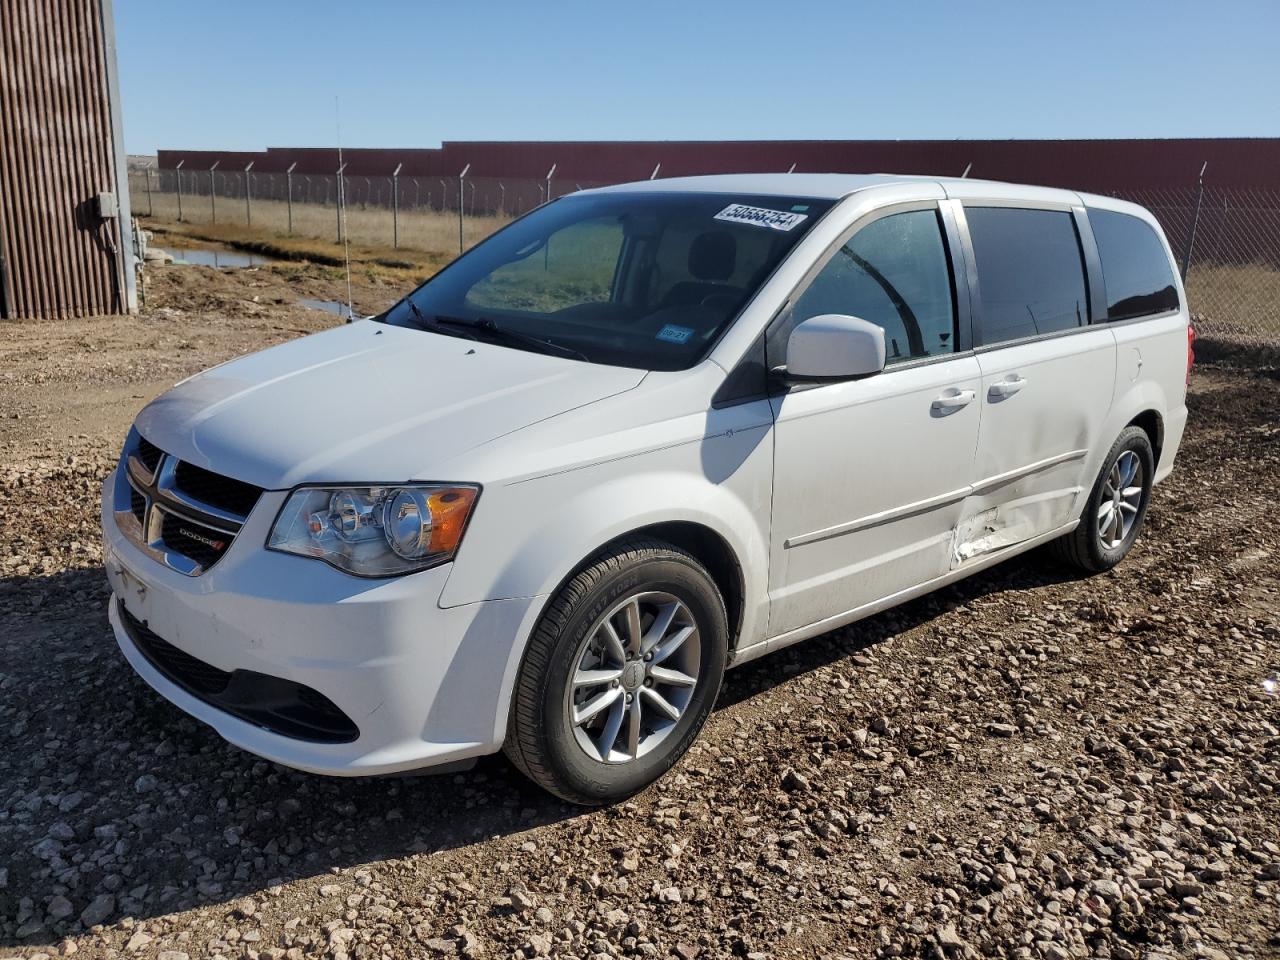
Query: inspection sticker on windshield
761	216
673	334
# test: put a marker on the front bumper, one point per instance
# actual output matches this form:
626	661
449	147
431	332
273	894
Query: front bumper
423	685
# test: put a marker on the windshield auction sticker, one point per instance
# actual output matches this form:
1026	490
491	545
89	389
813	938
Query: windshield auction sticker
761	217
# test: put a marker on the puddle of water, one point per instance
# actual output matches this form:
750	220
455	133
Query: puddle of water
329	306
221	259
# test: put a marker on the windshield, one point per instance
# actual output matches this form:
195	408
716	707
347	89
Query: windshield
644	280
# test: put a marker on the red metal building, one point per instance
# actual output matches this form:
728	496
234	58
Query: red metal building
1099	166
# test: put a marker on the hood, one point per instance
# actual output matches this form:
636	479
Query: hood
366	402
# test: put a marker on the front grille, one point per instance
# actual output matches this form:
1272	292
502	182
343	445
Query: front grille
148	454
225	493
280	706
204	545
183	515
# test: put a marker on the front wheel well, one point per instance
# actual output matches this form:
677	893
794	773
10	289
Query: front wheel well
1152	424
708	548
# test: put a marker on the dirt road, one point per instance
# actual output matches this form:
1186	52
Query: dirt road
1023	765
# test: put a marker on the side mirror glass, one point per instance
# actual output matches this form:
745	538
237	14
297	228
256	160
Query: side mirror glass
833	346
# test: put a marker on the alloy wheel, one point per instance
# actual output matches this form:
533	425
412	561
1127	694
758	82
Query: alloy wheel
1121	500
634	676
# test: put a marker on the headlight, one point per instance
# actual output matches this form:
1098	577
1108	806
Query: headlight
375	531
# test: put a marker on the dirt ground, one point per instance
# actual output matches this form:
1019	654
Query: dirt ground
1026	764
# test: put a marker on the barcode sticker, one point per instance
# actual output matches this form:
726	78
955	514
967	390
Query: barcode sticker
761	216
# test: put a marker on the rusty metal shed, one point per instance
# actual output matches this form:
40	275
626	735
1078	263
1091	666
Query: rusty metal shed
65	233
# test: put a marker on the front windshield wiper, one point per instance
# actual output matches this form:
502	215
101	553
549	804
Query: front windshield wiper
487	326
423	323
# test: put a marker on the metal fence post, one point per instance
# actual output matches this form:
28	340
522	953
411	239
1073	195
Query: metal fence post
178	174
341	201
461	181
288	185
151	210
550	173
502	202
395	206
213	194
1195	222
248	214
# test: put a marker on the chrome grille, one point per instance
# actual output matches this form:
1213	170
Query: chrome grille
235	496
184	516
203	544
138	505
148	453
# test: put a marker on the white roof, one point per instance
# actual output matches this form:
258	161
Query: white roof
831	186
836	186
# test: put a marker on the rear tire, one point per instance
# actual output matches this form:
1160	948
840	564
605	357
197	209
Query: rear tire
1117	504
620	674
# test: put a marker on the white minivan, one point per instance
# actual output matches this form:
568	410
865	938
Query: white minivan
640	435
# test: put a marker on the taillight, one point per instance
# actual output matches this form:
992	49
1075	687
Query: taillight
1191	350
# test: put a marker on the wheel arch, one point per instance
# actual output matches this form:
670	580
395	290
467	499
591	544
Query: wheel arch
1152	424
1143	404
709	548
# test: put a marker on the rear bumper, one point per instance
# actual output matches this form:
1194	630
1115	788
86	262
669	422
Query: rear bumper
420	684
1175	422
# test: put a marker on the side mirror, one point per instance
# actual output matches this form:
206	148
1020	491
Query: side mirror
833	347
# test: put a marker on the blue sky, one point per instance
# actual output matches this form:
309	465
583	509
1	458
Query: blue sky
244	75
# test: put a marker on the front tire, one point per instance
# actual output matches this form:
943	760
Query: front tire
1117	504
620	674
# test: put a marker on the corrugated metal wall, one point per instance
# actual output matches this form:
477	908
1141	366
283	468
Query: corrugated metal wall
58	150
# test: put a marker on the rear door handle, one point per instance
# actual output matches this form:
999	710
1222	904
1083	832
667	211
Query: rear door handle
953	400
1006	388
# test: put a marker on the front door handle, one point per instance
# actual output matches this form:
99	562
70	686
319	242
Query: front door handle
1006	388
952	400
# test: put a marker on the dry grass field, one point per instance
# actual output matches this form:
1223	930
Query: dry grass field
1234	301
421	229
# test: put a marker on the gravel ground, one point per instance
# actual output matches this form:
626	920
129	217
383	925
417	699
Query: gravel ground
1026	764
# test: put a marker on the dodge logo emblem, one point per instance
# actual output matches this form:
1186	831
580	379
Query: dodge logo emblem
190	534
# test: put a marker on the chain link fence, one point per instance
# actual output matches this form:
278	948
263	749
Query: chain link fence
1226	241
435	214
1228	245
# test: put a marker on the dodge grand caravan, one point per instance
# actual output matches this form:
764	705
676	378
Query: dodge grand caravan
640	435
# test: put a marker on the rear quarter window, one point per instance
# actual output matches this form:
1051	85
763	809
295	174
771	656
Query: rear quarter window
1135	266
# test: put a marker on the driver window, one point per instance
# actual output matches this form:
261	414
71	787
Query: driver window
893	272
575	266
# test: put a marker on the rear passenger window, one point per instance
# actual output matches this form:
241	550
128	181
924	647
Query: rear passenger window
1030	272
1135	266
894	273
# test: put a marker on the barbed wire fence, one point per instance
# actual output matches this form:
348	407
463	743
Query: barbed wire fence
1227	241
